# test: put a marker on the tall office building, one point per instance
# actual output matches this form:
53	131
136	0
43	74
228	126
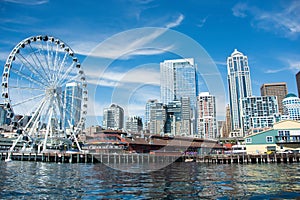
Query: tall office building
72	103
178	79
239	84
113	117
134	124
150	102
227	125
206	116
275	89
291	106
173	118
157	118
259	112
186	115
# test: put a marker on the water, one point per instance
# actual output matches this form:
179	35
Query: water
37	180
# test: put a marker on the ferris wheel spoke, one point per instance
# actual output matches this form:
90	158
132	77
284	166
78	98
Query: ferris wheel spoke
56	58
49	58
43	85
74	78
31	68
41	66
62	64
64	76
35	63
28	100
45	57
25	88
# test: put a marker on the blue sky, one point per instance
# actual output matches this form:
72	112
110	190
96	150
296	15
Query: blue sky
121	58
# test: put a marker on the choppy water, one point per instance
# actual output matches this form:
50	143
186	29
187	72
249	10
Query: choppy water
37	180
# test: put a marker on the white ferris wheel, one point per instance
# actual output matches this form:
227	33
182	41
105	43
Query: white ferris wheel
45	93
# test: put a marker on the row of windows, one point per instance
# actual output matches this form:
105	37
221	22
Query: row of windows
269	139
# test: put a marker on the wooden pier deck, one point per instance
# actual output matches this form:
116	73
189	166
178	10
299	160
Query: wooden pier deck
150	158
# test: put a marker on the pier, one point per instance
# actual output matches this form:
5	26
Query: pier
150	158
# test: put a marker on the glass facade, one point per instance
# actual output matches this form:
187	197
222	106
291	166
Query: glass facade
239	83
72	103
178	79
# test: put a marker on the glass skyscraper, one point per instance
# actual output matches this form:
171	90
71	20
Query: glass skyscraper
239	84
72	103
178	79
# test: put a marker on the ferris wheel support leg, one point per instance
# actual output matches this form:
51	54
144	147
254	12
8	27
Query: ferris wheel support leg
75	137
48	129
13	146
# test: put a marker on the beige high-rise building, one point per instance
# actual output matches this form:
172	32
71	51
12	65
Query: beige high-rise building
227	124
275	89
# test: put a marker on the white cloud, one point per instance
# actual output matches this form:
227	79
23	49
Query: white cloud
202	22
175	23
239	10
285	21
113	78
124	45
274	71
28	2
291	64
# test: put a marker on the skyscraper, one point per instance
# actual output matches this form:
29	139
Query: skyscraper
72	104
178	79
134	124
150	102
227	125
173	118
157	118
206	116
186	115
113	117
239	84
275	89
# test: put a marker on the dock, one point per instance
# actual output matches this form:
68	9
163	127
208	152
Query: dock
150	158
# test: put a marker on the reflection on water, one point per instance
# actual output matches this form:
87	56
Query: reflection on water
37	180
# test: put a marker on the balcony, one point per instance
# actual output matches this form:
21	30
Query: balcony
295	139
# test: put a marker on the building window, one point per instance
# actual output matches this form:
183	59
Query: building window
269	139
248	140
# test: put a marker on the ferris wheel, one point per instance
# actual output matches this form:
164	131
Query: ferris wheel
45	92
